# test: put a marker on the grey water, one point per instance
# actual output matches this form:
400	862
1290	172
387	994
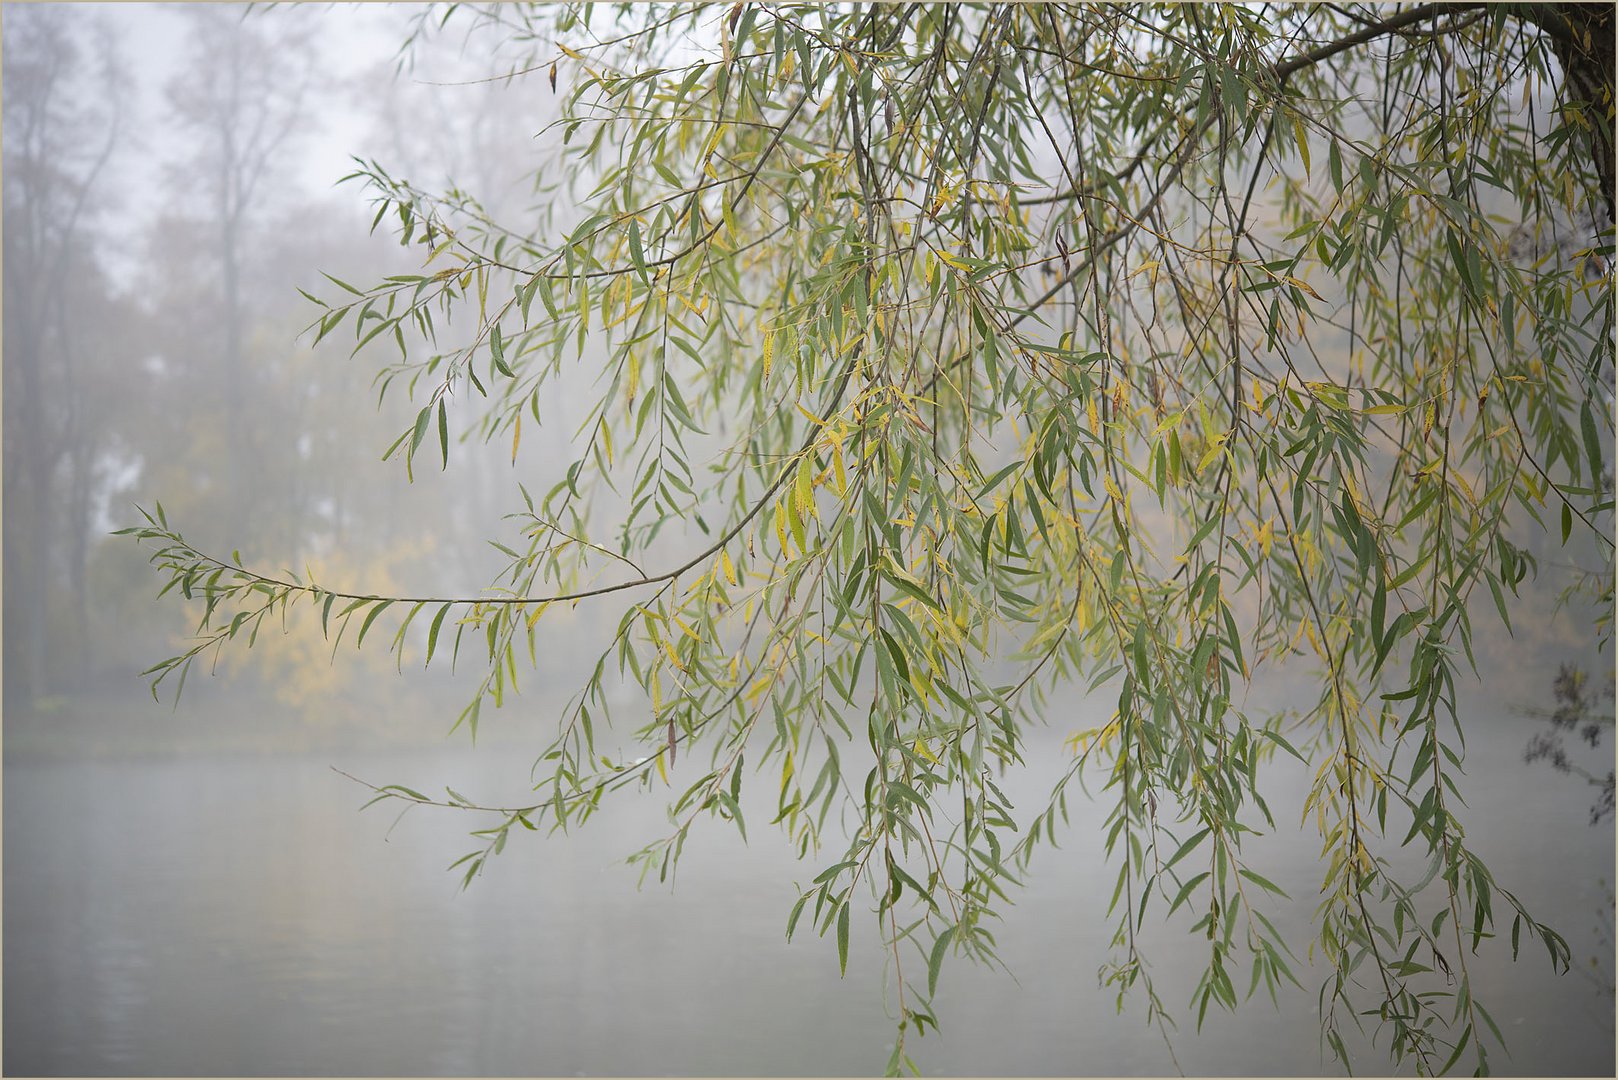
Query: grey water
236	915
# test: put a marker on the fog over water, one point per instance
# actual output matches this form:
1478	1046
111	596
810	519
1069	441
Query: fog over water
191	888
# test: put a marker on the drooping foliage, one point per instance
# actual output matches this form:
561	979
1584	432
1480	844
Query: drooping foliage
956	361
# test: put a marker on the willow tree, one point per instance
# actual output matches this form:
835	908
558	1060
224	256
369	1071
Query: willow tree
954	361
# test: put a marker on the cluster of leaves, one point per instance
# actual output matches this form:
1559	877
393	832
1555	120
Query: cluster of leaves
953	358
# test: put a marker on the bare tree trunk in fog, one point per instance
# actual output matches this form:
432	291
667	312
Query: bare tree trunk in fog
27	490
48	133
241	450
243	92
229	206
83	449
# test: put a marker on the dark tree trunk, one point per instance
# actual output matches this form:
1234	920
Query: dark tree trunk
1587	56
1582	36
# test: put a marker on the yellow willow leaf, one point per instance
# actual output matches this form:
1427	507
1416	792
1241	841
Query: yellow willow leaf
606	439
1266	536
662	768
728	566
1298	637
786	772
837	463
629	310
1213	451
1095	418
817	421
922	684
1466	489
516	438
1304	285
1384	410
1108	733
921	748
538	611
781	527
769	350
713	139
673	657
795	520
806	489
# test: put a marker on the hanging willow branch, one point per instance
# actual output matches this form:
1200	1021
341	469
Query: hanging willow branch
959	360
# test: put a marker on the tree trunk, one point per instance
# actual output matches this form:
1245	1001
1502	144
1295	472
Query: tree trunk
1582	37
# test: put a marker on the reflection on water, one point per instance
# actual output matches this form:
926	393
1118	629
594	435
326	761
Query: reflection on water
235	916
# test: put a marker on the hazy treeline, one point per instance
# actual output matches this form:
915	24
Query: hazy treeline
157	230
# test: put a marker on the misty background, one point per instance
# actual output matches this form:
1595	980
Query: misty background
170	182
188	887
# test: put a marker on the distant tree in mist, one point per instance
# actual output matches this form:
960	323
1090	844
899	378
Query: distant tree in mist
242	94
267	453
61	131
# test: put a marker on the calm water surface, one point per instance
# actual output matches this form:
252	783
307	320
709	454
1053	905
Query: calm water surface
236	916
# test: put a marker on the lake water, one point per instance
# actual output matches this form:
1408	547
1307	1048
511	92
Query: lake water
236	916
